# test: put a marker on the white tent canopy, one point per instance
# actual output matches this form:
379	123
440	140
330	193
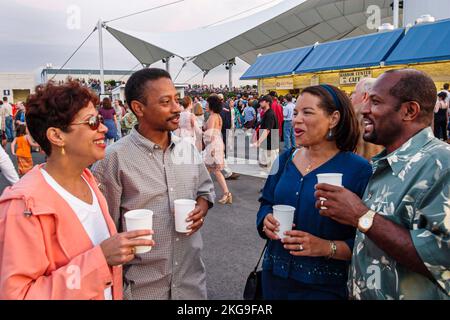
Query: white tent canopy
289	24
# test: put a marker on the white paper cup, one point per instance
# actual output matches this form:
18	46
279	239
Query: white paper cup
334	179
182	209
285	216
141	219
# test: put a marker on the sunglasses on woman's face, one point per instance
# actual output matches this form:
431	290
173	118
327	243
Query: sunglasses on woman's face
93	122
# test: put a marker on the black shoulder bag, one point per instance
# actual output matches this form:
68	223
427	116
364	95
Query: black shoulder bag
253	288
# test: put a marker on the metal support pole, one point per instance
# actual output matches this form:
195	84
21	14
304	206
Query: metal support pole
168	64
100	50
396	13
230	76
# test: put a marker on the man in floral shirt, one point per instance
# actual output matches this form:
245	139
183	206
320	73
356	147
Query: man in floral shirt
402	245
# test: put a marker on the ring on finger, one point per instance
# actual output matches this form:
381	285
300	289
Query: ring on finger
300	247
133	250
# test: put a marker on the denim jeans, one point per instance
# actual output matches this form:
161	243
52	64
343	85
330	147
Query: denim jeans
288	135
9	128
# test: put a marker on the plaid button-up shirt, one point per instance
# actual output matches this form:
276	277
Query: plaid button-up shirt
138	174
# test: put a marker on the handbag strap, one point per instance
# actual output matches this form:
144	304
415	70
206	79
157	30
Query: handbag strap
292	153
260	257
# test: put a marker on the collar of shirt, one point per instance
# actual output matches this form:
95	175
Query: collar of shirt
150	145
406	153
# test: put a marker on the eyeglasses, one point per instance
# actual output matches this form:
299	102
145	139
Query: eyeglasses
93	122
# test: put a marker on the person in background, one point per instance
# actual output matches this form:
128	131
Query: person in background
8	119
441	117
401	248
23	152
227	115
57	239
249	116
311	261
288	130
7	167
278	110
237	109
360	98
214	148
19	117
199	114
109	115
120	112
129	120
3	125
188	128
266	142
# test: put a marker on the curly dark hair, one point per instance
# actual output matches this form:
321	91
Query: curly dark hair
346	132
55	106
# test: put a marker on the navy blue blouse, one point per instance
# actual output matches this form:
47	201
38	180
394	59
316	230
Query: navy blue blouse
289	187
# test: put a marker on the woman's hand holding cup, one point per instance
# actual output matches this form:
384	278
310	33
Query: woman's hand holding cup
270	227
121	247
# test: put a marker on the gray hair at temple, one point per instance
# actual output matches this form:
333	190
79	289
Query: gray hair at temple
367	84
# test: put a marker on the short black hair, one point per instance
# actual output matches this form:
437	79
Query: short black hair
446	86
273	94
135	87
415	85
214	103
267	98
442	95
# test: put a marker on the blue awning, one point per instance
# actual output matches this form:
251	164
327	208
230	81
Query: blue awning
423	43
276	64
359	52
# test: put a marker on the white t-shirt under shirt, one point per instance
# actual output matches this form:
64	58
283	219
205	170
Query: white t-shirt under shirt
90	215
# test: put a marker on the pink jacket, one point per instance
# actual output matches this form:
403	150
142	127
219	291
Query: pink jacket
45	253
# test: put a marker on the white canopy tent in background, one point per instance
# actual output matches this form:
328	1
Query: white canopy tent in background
288	24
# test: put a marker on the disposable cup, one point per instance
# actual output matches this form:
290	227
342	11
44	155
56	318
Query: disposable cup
182	209
334	179
141	219
285	216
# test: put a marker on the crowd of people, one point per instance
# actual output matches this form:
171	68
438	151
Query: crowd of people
94	84
382	234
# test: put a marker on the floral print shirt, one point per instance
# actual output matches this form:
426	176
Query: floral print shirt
411	187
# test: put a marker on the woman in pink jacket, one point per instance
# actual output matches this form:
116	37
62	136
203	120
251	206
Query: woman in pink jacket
57	240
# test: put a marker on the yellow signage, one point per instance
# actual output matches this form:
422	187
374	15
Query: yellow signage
284	83
353	77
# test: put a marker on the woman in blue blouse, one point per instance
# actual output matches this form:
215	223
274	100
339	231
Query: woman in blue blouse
311	261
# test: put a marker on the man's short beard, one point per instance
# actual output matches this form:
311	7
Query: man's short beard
372	137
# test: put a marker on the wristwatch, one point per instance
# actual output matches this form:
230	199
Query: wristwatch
365	221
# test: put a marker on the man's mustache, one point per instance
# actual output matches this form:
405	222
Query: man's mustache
177	116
